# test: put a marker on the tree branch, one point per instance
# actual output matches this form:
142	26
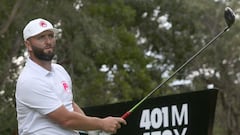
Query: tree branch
11	17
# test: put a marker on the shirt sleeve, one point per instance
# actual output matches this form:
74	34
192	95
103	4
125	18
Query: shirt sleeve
38	95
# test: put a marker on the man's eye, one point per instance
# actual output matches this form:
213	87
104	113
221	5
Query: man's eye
51	35
41	37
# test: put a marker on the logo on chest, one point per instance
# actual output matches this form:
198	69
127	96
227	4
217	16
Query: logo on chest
65	86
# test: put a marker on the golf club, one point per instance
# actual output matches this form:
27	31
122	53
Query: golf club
229	16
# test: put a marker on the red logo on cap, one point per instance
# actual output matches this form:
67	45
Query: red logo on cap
43	24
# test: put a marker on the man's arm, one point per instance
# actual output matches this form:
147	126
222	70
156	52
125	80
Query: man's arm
79	121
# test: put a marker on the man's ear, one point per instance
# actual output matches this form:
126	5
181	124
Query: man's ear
28	46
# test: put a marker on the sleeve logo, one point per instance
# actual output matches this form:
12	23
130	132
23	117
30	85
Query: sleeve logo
65	86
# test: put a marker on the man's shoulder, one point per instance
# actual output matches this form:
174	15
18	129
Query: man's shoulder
58	66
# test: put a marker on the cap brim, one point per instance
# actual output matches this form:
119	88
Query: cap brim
54	30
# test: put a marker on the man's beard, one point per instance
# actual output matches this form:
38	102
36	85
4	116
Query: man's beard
40	54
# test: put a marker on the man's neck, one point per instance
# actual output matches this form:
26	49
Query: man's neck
45	64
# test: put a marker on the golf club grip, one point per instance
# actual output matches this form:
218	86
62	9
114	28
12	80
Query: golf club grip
125	115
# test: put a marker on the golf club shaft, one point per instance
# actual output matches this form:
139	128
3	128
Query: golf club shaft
126	114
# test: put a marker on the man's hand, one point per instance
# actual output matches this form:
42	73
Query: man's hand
112	124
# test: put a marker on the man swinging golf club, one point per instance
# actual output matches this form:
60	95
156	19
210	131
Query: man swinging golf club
44	100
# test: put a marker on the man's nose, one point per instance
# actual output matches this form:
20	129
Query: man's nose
48	40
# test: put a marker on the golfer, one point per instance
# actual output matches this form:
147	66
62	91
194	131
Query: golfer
44	99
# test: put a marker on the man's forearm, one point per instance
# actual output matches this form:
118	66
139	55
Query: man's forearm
83	122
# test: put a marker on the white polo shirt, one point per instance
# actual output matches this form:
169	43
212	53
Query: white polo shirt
39	92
